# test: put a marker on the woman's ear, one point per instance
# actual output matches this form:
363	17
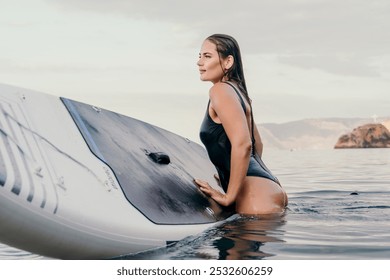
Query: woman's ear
229	62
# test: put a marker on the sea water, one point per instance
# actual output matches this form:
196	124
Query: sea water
339	208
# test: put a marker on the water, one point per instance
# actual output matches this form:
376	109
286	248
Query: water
339	208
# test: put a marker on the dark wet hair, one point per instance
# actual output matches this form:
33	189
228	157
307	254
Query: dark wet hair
227	45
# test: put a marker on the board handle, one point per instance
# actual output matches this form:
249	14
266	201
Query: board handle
158	157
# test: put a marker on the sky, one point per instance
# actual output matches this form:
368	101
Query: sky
302	58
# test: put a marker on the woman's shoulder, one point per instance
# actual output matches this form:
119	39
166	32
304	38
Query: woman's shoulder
221	90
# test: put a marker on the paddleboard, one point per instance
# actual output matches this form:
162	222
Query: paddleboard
82	182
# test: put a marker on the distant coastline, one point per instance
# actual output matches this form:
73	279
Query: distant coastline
321	133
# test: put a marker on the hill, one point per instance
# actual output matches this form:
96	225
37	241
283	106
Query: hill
311	133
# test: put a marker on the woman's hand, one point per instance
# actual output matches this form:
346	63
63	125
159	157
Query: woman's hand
219	197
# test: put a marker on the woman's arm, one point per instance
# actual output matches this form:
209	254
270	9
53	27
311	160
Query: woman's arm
229	112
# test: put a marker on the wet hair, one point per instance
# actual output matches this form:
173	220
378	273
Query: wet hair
226	45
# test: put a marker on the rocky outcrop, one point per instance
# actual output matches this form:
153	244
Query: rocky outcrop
386	123
365	136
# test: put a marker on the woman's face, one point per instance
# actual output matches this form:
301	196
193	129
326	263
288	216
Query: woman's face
209	64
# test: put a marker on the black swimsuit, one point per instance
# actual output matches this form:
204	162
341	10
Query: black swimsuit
218	146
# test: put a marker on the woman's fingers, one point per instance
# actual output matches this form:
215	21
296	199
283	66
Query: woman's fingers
204	186
208	190
200	182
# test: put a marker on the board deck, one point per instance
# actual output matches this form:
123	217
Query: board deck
164	193
81	182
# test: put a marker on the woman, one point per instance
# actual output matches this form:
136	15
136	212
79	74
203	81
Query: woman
230	136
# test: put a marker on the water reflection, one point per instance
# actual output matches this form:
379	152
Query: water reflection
238	238
245	237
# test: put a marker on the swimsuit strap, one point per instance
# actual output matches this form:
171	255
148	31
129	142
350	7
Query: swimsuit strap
252	122
239	95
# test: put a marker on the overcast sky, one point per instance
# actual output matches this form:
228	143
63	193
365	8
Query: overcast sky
303	58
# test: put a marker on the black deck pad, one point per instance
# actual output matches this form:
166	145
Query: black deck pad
161	188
